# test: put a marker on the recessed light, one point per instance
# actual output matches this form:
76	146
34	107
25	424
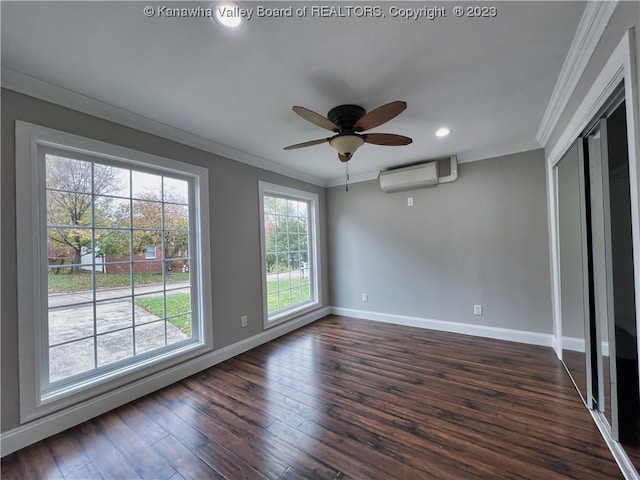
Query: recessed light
229	14
443	132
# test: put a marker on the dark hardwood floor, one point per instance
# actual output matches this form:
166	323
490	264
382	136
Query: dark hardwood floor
633	452
576	364
345	399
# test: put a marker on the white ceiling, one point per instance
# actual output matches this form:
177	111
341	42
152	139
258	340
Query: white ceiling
488	79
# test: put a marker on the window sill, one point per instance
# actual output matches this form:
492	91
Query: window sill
290	314
62	397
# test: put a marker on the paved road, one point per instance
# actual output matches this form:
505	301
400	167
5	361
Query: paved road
58	299
71	318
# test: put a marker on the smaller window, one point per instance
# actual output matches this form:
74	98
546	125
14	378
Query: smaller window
289	240
150	252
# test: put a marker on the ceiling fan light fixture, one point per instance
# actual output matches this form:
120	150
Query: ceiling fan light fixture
346	144
347	121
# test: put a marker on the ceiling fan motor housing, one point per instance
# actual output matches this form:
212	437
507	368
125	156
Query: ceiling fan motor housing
346	116
347	122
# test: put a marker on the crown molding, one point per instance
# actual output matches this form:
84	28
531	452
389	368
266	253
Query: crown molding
28	85
502	151
594	20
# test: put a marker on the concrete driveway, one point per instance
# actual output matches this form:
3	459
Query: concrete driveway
71	320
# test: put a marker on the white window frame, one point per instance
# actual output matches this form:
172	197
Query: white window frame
35	400
265	188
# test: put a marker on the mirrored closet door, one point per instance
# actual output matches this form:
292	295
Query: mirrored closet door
612	277
597	289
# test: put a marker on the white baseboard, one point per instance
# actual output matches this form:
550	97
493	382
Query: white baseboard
44	427
573	344
531	338
555	344
577	345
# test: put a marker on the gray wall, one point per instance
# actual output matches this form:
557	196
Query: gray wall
235	268
480	240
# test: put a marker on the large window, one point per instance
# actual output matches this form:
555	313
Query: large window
113	239
289	253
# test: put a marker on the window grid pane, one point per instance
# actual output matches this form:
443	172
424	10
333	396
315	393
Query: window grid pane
118	265
286	227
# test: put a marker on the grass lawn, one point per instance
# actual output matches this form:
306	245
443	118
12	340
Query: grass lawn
290	292
79	282
281	294
177	303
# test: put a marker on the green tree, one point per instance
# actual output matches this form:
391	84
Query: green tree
70	185
87	199
286	236
161	223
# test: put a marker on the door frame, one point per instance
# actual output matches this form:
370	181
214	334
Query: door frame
620	68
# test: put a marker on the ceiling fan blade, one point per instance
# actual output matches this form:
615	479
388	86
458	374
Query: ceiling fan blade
387	139
316	118
307	144
379	116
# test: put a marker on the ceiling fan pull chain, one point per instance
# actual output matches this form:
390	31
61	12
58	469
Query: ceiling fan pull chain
346	183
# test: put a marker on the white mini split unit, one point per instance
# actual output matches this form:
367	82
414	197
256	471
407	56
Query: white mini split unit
416	176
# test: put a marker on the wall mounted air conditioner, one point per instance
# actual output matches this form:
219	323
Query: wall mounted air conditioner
416	176
409	178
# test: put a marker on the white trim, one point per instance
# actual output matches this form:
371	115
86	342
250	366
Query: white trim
594	20
556	347
500	151
497	333
573	344
554	244
25	84
31	278
603	87
35	431
315	255
620	67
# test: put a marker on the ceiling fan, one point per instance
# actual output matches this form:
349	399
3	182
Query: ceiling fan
348	121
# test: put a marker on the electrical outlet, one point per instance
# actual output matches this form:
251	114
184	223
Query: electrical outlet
243	321
477	309
365	297
409	201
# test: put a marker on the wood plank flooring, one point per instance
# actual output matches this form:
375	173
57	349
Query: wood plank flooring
345	399
575	363
633	452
